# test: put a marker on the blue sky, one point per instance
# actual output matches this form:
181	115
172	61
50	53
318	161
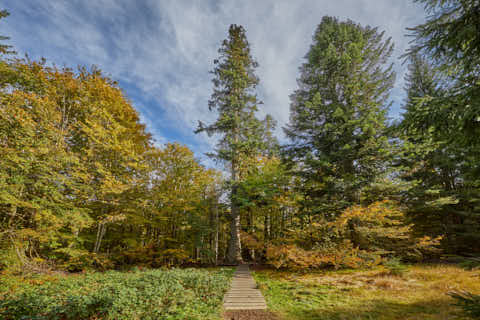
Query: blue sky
161	51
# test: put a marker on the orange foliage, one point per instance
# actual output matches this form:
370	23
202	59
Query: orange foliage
343	256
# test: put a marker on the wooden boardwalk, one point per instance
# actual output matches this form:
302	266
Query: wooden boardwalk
243	293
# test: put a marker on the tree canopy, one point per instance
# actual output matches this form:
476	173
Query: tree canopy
84	185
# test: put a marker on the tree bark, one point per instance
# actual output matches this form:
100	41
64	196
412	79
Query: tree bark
267	230
102	228
216	231
234	253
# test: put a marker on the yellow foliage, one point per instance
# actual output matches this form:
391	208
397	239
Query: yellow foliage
342	256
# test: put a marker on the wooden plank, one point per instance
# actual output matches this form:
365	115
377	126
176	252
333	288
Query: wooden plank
243	293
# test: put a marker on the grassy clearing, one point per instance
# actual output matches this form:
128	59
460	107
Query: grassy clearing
420	293
151	294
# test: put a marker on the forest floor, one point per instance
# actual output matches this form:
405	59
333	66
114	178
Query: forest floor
418	293
173	294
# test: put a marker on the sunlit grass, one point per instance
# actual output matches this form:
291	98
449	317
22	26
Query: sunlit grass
420	293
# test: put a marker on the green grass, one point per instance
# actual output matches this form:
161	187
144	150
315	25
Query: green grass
151	294
421	293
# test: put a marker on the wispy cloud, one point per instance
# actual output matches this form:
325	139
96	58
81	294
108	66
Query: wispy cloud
162	51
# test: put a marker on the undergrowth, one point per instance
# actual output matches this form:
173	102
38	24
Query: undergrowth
152	294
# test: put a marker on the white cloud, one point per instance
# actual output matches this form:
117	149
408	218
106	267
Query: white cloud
165	49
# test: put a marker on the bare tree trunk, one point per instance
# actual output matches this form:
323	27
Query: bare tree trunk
234	254
267	226
102	228
216	231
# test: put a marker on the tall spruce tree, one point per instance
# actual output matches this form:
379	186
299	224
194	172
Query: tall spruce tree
242	133
442	199
338	114
450	38
449	117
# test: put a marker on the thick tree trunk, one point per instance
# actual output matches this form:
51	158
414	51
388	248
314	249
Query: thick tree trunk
234	254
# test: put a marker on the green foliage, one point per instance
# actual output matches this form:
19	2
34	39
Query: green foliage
450	39
152	294
442	174
83	185
450	35
470	263
235	100
337	123
469	302
81	177
395	267
243	135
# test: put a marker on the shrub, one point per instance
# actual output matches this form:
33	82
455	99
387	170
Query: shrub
152	257
383	227
469	302
152	294
395	267
470	263
343	255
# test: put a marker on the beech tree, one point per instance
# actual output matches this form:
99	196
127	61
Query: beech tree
242	133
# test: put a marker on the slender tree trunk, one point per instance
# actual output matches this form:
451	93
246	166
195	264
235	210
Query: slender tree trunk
267	226
251	227
216	230
102	228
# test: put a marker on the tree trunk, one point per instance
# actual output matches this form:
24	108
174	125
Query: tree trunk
216	231
102	228
234	254
267	233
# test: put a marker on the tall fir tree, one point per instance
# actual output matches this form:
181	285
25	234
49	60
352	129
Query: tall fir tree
338	114
450	38
449	118
441	199
236	102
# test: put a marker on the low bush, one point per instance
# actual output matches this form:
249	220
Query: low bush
469	302
343	255
152	294
396	267
472	263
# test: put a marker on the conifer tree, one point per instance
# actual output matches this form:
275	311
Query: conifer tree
4	48
442	197
446	121
450	38
338	114
236	102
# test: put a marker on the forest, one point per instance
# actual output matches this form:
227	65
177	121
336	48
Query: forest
85	191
